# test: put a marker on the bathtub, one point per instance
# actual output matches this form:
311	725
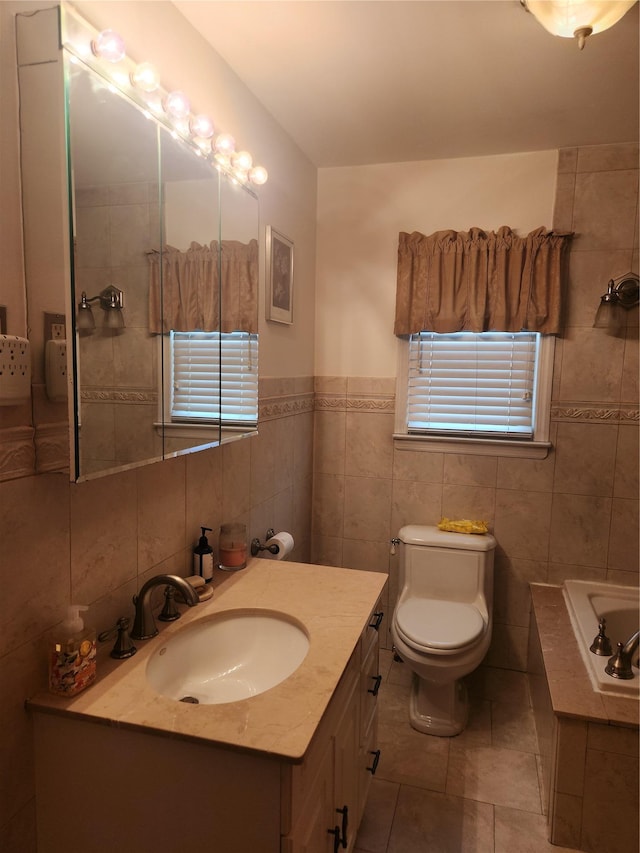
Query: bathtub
587	602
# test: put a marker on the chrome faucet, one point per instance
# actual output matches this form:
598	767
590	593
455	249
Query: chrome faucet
144	626
619	665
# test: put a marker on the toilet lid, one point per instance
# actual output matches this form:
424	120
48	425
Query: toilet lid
439	624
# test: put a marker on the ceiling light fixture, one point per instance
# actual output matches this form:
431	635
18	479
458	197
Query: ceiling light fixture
577	18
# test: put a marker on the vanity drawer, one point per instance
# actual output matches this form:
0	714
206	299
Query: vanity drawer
370	680
369	758
371	634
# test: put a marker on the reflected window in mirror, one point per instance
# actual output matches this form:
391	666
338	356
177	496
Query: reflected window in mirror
211	380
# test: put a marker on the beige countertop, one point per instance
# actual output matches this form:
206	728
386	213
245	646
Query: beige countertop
333	604
572	694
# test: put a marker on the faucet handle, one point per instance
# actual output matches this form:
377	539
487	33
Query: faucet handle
619	665
169	612
123	647
601	644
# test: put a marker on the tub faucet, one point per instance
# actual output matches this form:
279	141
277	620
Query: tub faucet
619	665
144	626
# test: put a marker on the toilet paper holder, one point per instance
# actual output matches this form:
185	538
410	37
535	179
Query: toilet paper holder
257	545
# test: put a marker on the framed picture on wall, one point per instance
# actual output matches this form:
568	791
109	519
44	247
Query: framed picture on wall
279	262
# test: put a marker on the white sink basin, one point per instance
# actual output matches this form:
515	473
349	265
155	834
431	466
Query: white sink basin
230	656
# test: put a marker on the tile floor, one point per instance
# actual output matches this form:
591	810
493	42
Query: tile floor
476	793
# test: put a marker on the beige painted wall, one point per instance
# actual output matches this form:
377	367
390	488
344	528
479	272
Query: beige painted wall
362	209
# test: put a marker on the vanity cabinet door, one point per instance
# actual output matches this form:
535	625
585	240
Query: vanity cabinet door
327	781
311	832
346	752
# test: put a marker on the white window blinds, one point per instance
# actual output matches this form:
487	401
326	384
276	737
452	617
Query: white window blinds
201	392
466	383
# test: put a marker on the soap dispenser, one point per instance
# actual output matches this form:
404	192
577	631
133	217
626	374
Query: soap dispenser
203	557
72	662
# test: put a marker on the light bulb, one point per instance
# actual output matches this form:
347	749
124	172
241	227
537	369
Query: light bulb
242	161
225	144
258	175
145	77
84	316
176	104
223	161
114	319
204	145
108	45
202	126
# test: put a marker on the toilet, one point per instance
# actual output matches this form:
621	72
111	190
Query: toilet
441	625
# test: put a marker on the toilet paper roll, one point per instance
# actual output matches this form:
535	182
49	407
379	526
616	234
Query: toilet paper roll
285	544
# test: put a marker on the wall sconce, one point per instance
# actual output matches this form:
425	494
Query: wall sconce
622	293
111	301
577	18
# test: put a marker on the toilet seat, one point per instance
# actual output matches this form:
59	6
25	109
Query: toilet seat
438	625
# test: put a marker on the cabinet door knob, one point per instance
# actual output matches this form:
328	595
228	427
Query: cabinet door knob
336	838
376	686
345	824
376	759
377	620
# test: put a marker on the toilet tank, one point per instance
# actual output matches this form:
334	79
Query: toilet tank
447	566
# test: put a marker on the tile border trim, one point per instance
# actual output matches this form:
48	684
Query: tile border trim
593	412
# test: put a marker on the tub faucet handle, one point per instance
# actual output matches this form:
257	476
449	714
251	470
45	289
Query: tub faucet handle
619	665
601	644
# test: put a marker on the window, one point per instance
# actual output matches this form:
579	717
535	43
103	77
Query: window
200	391
478	388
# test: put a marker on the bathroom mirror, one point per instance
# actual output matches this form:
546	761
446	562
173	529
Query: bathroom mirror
143	204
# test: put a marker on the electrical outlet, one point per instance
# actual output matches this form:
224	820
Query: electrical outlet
55	327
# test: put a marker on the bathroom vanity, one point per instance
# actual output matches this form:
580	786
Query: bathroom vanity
286	771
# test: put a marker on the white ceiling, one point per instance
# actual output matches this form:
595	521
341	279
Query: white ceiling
375	81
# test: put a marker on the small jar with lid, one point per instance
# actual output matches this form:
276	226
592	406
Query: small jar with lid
232	547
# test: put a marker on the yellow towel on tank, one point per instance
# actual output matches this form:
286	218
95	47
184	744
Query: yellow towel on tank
463	525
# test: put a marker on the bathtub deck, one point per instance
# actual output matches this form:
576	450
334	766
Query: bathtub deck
572	694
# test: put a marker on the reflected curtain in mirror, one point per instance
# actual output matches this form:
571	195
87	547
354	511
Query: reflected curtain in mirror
480	281
185	288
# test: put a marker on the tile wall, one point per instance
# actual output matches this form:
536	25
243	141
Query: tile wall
97	542
115	225
574	514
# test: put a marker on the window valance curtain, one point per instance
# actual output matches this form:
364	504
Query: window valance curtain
477	281
197	289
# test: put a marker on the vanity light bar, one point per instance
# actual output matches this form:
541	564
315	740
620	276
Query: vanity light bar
105	53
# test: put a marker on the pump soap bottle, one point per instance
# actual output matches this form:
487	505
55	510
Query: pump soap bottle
203	557
72	662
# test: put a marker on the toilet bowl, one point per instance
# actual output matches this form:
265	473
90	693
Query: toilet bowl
441	625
